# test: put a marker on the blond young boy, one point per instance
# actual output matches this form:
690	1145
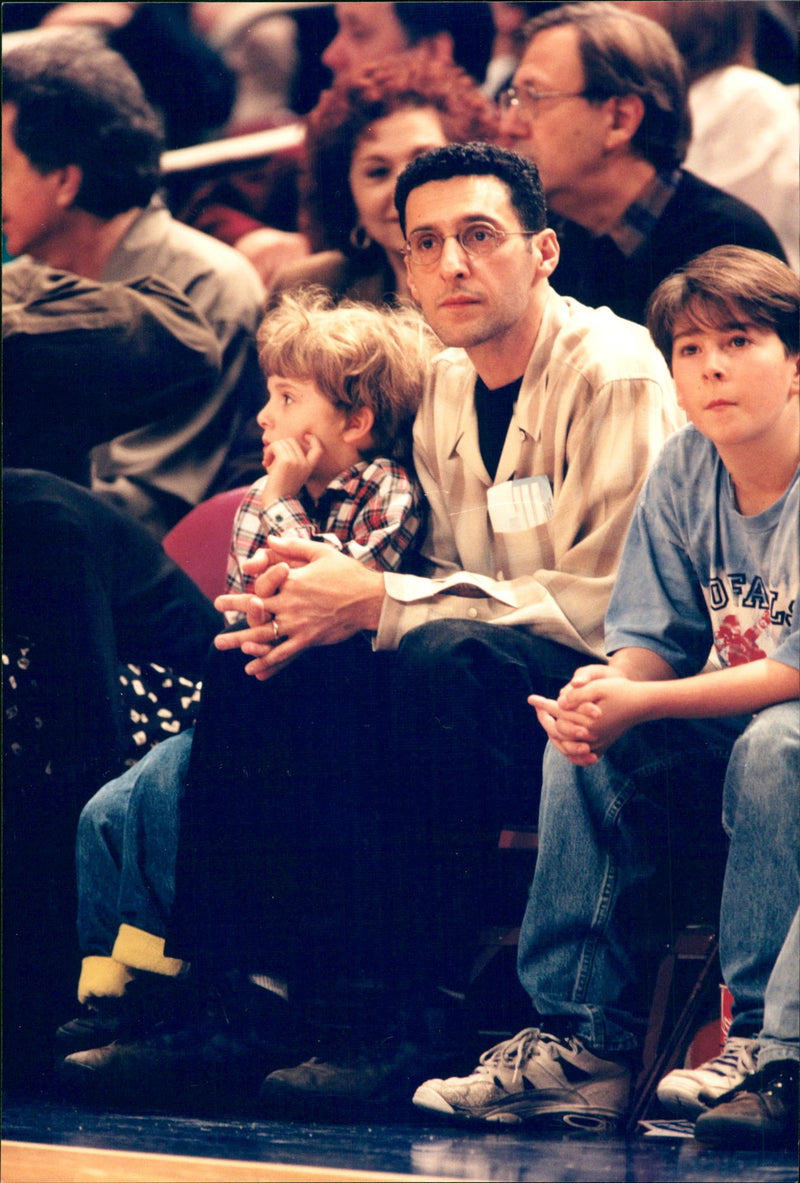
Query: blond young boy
344	383
344	386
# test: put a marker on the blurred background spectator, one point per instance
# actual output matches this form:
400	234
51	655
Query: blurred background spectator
599	102
367	32
360	136
85	361
509	19
260	46
183	77
745	123
81	170
776	39
256	209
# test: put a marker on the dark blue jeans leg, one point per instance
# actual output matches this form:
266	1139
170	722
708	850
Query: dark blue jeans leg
282	815
467	734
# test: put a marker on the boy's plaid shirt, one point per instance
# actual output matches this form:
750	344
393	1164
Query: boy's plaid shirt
372	512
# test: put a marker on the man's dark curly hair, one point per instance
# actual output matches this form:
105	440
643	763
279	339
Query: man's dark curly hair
519	174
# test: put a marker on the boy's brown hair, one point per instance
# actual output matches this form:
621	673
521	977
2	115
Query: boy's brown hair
357	355
726	285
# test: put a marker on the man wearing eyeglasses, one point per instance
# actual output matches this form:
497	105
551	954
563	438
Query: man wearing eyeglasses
599	103
534	434
392	765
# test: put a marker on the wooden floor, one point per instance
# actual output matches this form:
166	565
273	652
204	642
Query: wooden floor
32	1162
50	1140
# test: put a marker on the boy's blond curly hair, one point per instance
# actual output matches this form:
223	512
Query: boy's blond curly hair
356	354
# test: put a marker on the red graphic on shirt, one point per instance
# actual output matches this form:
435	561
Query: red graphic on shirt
736	647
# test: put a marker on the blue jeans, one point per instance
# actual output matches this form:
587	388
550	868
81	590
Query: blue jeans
779	1038
125	851
605	830
761	893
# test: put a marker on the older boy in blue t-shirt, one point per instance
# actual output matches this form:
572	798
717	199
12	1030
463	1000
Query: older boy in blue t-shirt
710	565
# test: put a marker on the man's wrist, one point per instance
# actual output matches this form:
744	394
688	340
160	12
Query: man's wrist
372	603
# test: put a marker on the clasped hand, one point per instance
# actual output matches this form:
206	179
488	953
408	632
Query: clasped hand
306	593
592	711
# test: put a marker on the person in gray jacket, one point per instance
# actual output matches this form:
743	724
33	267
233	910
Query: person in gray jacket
81	150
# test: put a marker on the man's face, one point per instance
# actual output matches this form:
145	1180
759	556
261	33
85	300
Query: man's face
470	300
367	33
564	136
33	209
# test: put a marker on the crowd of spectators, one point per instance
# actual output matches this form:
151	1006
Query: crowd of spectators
655	133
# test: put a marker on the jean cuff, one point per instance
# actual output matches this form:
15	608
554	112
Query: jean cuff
772	1053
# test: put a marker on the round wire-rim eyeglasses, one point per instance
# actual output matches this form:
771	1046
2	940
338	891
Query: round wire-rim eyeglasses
424	247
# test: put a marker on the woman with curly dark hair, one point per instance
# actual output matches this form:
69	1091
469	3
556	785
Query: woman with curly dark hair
360	136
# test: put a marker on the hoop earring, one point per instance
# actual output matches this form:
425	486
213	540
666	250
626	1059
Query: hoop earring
360	239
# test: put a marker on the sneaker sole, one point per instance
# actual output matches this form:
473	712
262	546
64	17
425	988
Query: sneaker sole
681	1097
684	1105
518	1112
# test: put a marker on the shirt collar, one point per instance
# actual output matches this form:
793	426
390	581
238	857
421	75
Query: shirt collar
338	485
638	221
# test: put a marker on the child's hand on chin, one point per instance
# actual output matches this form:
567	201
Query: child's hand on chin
289	463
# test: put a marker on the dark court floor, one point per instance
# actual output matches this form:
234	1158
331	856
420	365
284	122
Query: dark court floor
407	1147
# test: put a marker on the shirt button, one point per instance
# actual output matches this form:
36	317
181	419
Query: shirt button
472	613
501	576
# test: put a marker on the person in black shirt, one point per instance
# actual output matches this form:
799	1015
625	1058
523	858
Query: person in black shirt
599	103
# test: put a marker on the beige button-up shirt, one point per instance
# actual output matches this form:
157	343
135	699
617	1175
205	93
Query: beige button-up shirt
596	403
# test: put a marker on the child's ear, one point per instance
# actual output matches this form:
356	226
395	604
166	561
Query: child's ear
358	427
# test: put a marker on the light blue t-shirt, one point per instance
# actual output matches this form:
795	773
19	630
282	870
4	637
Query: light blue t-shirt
697	574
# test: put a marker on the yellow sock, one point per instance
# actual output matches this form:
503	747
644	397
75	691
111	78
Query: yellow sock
142	950
102	977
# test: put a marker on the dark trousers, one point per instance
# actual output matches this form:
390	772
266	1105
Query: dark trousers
337	817
90	588
85	588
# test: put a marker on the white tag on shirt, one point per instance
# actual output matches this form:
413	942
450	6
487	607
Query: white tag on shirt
520	505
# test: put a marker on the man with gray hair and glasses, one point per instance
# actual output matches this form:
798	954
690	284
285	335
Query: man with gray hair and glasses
599	103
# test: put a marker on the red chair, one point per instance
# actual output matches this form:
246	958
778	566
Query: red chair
200	541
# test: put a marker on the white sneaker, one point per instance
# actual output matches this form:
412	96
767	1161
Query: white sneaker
538	1079
686	1092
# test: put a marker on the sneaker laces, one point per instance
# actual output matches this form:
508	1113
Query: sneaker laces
518	1051
747	1059
737	1054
